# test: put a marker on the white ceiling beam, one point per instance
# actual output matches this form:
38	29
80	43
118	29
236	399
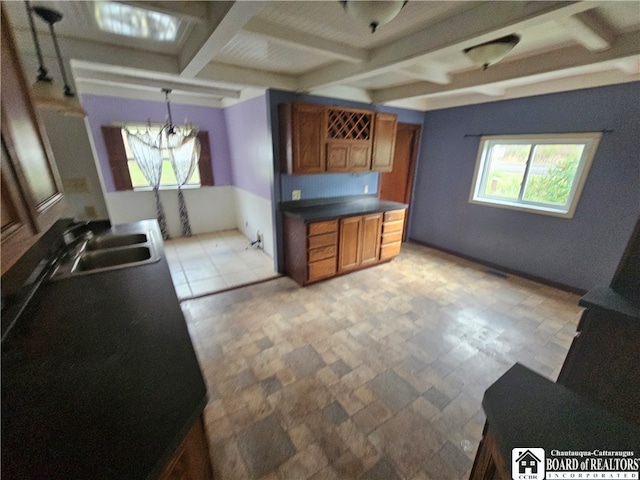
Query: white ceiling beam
630	66
206	41
626	46
302	41
158	83
491	90
429	73
245	76
191	11
589	30
480	24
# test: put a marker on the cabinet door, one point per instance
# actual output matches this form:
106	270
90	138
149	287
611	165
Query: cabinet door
360	157
337	157
371	233
384	141
28	171
349	253
308	139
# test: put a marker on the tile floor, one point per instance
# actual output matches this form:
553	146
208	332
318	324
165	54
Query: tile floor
213	262
378	374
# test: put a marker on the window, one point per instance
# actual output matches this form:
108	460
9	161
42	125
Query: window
539	173
167	177
135	22
126	177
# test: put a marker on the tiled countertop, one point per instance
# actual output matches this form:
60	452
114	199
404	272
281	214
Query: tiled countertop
99	376
318	211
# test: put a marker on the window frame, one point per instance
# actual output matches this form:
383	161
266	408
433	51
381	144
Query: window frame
119	167
590	140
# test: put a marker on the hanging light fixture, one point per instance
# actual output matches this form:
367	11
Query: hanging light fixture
373	13
183	147
491	52
45	92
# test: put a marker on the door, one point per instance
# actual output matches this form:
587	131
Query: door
396	185
371	233
349	253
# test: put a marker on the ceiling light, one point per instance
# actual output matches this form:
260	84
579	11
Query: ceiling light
128	21
373	13
491	52
45	92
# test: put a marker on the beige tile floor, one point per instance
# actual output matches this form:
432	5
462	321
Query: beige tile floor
213	262
378	374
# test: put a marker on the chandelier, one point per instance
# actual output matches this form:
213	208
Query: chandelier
182	146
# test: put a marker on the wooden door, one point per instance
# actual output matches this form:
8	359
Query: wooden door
349	256
371	233
308	138
396	185
384	139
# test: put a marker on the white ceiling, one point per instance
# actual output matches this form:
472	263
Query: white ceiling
228	51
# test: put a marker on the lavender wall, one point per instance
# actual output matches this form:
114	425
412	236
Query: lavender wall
108	110
580	252
250	147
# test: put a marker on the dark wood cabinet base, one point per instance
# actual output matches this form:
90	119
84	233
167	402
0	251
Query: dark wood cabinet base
191	461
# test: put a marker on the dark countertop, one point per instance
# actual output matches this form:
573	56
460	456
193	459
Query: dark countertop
310	211
526	410
608	299
99	376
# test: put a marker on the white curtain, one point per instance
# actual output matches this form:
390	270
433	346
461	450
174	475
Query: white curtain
147	151
184	153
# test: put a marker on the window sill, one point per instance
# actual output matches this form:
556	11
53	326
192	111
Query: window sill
537	209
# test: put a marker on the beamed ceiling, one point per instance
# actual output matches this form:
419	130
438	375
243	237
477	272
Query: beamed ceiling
225	52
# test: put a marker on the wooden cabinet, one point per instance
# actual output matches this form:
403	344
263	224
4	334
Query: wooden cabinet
31	187
320	250
359	241
319	139
191	460
384	142
392	230
302	134
310	249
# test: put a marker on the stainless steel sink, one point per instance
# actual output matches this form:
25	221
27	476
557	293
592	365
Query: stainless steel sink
105	252
113	241
109	258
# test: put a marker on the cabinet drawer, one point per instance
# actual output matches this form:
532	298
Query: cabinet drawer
322	269
322	253
391	237
323	227
396	226
390	250
323	240
394	215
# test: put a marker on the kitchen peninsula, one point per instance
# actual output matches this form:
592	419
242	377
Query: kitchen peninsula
100	379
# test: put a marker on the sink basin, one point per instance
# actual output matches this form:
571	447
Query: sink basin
114	241
106	259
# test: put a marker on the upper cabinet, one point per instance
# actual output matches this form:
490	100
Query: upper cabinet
31	187
319	139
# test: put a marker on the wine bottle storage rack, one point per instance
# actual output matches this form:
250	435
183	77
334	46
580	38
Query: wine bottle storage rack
346	125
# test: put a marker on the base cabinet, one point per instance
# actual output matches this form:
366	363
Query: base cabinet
359	241
320	250
191	460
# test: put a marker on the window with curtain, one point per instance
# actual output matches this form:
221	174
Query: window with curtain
127	175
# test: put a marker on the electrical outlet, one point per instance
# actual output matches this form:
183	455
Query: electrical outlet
366	189
296	194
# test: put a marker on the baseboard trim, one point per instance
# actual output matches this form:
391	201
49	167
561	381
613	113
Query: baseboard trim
502	268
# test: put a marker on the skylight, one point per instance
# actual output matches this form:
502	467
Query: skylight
136	22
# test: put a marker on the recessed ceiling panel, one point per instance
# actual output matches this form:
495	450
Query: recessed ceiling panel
249	51
328	19
385	80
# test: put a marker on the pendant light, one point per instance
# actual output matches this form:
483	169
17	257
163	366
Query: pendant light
45	92
491	52
373	13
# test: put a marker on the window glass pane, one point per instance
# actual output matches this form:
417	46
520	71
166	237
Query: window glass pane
137	178
506	166
552	173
